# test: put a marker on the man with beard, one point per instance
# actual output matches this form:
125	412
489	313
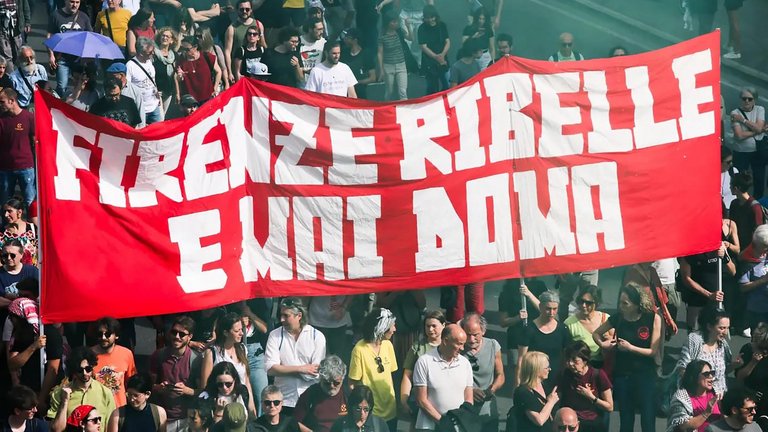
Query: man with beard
26	75
115	106
65	19
331	76
119	72
284	61
484	355
174	370
115	363
738	406
323	402
79	389
235	33
17	138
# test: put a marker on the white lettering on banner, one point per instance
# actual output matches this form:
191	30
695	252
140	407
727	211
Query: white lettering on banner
346	147
69	158
419	124
603	138
552	142
482	248
115	152
247	153
186	231
604	176
364	211
464	101
303	121
328	212
156	160
439	230
512	135
256	259
198	182
258	151
647	132
694	124
541	235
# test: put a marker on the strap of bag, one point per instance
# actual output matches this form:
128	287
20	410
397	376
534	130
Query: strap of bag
145	72
155	415
74	20
26	81
210	65
109	24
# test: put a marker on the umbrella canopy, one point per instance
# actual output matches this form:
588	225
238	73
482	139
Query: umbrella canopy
84	44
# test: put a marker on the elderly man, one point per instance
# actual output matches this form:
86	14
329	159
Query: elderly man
273	419
754	281
484	355
324	402
566	420
119	72
293	353
442	378
566	51
140	72
17	154
26	75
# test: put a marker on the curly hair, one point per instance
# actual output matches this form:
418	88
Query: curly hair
639	296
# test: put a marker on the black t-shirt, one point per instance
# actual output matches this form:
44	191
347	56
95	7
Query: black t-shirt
485	34
758	379
248	57
279	65
510	301
124	110
639	333
204	322
286	424
551	344
526	399
595	380
704	270
54	348
433	37
62	22
271	14
360	63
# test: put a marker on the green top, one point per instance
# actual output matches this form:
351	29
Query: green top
97	395
417	350
580	333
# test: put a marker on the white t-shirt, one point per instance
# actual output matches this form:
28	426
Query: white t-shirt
334	80
748	144
138	78
321	312
311	53
666	269
445	383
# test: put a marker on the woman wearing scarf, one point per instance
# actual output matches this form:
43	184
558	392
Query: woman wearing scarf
24	355
85	418
373	362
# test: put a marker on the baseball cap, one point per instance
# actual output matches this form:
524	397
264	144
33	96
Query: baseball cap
235	417
188	100
116	68
258	69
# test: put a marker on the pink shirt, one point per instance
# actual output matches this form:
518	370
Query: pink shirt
699	404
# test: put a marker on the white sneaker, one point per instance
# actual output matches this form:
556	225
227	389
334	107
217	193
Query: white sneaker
747	333
733	55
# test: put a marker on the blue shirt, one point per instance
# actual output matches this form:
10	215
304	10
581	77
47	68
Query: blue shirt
21	87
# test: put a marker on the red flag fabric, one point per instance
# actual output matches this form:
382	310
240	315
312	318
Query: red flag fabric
530	168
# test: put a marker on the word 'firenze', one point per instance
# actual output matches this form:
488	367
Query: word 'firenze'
481	235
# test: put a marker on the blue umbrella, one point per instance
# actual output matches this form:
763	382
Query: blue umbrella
84	44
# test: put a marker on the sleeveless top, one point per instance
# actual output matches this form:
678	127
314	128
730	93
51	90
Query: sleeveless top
639	333
138	421
219	355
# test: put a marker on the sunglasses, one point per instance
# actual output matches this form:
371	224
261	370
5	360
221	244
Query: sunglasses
473	362
585	302
253	34
9	255
274	403
180	334
567	44
244	9
568	428
105	334
708	374
752	409
225	384
747	99
88	369
95	420
332	383
379	364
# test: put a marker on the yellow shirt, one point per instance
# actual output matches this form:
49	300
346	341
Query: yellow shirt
293	4
97	395
364	367
119	20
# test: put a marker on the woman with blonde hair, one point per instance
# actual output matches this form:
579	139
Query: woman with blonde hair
636	342
207	45
165	64
534	399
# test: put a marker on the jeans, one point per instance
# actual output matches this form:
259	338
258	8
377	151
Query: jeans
155	116
62	75
746	160
258	373
636	392
26	181
396	75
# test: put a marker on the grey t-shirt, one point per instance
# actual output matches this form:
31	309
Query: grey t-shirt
461	71
483	365
722	426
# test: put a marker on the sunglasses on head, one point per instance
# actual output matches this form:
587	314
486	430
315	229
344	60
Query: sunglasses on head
225	384
268	402
379	364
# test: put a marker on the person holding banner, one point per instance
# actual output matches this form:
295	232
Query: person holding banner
700	275
27	343
515	317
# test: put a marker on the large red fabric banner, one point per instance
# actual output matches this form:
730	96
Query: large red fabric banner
531	168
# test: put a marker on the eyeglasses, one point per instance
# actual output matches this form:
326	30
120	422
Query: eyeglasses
94	420
180	334
568	428
225	384
379	364
275	403
585	302
359	409
9	255
105	334
747	99
708	374
88	369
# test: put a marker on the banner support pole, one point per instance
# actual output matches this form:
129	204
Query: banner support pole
524	303
719	279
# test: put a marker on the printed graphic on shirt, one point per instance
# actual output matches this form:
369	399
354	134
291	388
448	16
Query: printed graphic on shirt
111	378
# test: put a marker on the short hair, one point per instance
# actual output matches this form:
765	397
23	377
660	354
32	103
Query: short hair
140	382
734	398
239	2
161	30
532	364
270	389
505	37
389	16
286	33
21	397
592	290
760	237
430	11
760	336
15	243
691	375
10	93
710	315
470	47
549	296
186	322
742	181
111	324
578	349
3	61
77	356
750	90
359	394
332	367
296	306
142	42
311	23
191	40
474	316
330	45
615	48
637	295
725	152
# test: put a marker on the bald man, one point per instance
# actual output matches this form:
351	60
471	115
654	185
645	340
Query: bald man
566	51
442	378
566	420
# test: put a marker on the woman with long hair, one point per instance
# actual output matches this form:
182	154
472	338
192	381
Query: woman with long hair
586	320
585	389
223	387
207	45
694	405
165	64
141	25
710	343
228	347
534	398
391	57
248	55
434	323
481	30
373	362
360	404
15	227
636	342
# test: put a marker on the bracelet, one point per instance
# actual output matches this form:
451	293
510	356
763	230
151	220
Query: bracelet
594	401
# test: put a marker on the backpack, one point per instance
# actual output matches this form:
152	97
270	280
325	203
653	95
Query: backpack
763	209
152	408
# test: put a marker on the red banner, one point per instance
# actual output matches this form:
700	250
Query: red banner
531	168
